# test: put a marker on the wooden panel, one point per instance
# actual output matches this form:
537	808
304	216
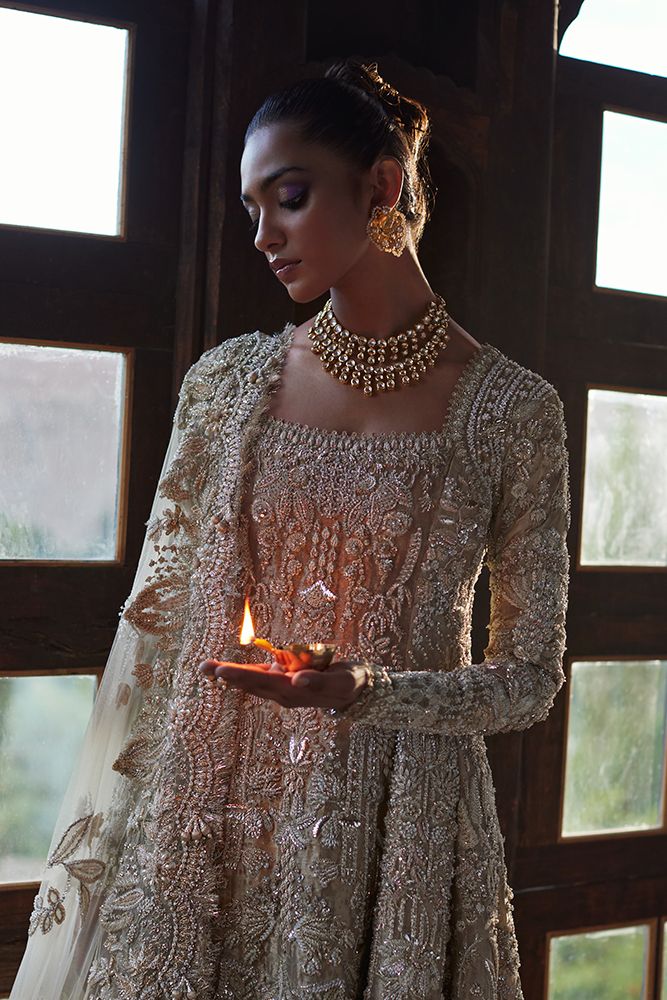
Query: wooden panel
15	909
599	860
440	35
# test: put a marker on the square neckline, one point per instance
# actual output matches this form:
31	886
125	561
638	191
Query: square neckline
297	429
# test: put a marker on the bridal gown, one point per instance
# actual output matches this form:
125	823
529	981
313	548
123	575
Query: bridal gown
215	845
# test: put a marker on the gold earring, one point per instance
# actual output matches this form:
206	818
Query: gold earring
388	228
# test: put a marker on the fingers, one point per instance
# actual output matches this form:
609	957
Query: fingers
207	668
334	687
271	684
214	672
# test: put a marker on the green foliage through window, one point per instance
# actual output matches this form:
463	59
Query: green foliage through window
599	965
615	746
42	721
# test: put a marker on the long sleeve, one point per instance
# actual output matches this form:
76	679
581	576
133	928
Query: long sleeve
528	561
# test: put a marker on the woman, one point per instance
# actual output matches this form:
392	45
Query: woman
330	834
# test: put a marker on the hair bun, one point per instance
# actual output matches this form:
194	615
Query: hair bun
408	115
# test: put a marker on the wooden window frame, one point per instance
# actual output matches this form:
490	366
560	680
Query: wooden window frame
651	951
596	337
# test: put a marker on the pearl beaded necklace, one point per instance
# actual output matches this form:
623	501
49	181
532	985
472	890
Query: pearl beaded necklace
377	364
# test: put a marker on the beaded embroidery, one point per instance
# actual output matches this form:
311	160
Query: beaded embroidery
284	854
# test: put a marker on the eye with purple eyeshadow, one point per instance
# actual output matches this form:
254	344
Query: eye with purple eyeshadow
292	195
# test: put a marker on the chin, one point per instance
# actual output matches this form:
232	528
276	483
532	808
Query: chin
304	293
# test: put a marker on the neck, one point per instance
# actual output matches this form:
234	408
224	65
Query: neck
382	295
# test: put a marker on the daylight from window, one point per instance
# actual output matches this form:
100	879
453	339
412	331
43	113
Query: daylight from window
61	119
632	218
628	34
615	746
608	964
625	480
61	427
37	714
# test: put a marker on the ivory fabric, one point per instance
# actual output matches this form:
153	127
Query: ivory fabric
216	845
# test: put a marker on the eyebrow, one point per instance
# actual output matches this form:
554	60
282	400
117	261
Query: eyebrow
271	178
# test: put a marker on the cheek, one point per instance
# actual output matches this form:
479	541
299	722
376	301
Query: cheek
331	236
336	231
334	211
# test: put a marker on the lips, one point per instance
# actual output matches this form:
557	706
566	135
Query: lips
283	266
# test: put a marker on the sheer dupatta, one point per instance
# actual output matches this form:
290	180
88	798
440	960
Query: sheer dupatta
220	405
94	811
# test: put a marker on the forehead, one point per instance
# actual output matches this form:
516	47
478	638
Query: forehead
275	147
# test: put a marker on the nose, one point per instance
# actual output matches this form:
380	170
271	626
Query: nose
268	237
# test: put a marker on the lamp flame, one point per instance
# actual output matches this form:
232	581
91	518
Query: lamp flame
247	628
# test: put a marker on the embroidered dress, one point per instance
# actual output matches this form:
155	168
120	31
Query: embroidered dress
216	845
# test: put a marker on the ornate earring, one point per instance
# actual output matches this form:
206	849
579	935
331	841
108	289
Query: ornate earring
388	228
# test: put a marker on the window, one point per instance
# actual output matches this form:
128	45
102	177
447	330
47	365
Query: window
590	887
91	186
62	429
610	964
629	34
625	480
63	122
615	746
632	216
42	722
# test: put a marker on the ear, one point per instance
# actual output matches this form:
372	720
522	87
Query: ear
387	181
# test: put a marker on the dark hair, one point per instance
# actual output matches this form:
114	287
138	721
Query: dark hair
353	111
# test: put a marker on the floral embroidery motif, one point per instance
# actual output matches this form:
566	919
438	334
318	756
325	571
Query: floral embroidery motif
44	915
86	871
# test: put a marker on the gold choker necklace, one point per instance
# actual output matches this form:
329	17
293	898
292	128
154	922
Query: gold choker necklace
378	364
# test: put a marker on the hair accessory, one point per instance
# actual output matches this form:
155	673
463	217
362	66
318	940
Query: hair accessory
380	364
388	229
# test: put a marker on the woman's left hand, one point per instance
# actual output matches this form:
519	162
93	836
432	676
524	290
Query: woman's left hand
336	687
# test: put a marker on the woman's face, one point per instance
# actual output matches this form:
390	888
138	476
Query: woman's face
309	209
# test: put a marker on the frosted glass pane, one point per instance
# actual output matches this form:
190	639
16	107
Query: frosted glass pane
599	965
60	448
42	722
615	755
625	480
61	119
629	34
633	204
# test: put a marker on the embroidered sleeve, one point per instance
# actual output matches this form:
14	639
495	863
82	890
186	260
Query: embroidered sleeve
522	672
157	606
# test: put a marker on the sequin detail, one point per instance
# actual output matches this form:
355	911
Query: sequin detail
273	854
